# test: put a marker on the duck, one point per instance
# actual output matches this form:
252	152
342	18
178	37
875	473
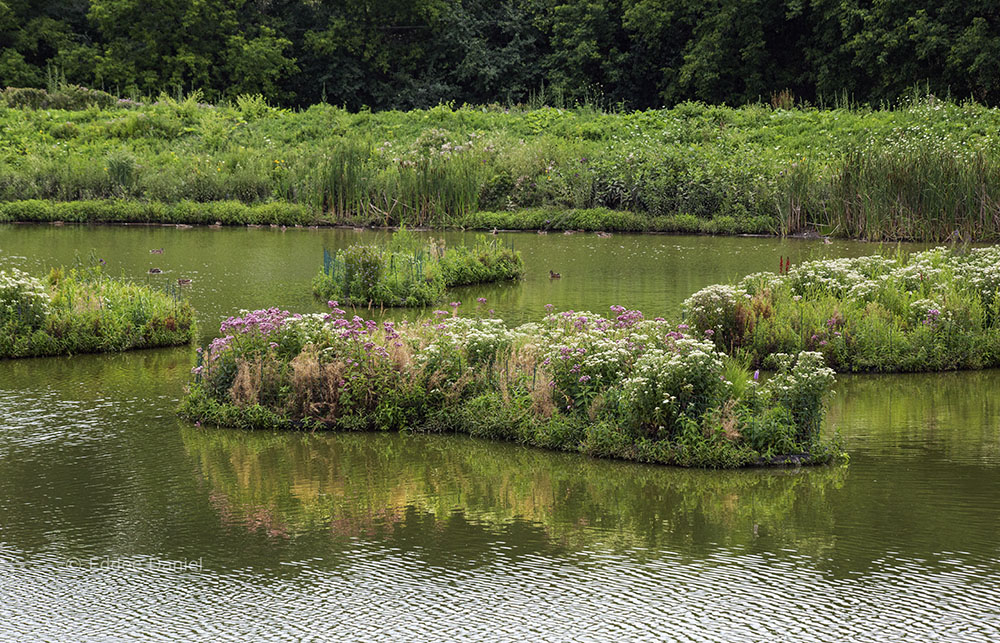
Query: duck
542	232
567	232
554	275
156	251
603	235
183	282
155	271
826	241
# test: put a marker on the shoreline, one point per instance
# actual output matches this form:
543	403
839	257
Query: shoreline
566	221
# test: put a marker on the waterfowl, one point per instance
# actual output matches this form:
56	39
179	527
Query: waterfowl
542	232
156	251
155	271
826	240
567	232
554	275
604	235
183	282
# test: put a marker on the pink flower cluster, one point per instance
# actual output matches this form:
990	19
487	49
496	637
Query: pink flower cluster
264	321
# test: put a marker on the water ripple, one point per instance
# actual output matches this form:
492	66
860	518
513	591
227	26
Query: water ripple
593	596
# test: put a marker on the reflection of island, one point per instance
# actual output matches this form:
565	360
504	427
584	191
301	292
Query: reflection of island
953	415
368	485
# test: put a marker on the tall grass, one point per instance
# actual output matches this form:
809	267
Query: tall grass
81	310
921	170
931	311
924	193
620	387
408	273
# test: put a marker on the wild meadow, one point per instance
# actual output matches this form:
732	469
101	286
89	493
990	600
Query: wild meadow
409	272
620	386
935	310
82	310
924	168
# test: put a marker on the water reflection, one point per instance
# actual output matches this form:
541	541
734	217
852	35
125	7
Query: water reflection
360	537
375	486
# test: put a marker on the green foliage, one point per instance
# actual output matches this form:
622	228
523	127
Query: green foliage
617	387
417	54
81	310
923	170
408	274
930	311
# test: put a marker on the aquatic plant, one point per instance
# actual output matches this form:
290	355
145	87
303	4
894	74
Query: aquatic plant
82	310
929	311
925	169
408	273
619	386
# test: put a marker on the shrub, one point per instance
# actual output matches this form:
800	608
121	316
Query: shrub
84	311
24	304
932	310
408	274
621	387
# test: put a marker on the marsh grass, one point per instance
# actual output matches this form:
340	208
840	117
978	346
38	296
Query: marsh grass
407	272
930	311
926	169
619	387
82	310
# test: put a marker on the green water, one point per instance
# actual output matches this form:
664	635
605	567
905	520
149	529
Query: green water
119	522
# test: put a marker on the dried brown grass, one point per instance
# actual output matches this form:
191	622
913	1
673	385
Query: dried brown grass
316	387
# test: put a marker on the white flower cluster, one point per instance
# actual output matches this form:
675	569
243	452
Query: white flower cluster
661	378
22	298
911	287
711	307
800	385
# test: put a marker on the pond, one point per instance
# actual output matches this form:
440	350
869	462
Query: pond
118	521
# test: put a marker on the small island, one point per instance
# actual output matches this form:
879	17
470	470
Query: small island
410	273
619	387
82	310
935	310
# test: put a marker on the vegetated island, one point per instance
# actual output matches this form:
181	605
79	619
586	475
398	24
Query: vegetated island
82	310
408	272
620	387
935	310
924	169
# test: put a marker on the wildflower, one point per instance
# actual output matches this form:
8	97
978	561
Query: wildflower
584	379
709	332
481	300
756	375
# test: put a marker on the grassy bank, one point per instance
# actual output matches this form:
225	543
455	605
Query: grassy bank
408	272
922	170
929	311
84	311
622	387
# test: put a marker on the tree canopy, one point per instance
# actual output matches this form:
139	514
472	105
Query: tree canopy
398	54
